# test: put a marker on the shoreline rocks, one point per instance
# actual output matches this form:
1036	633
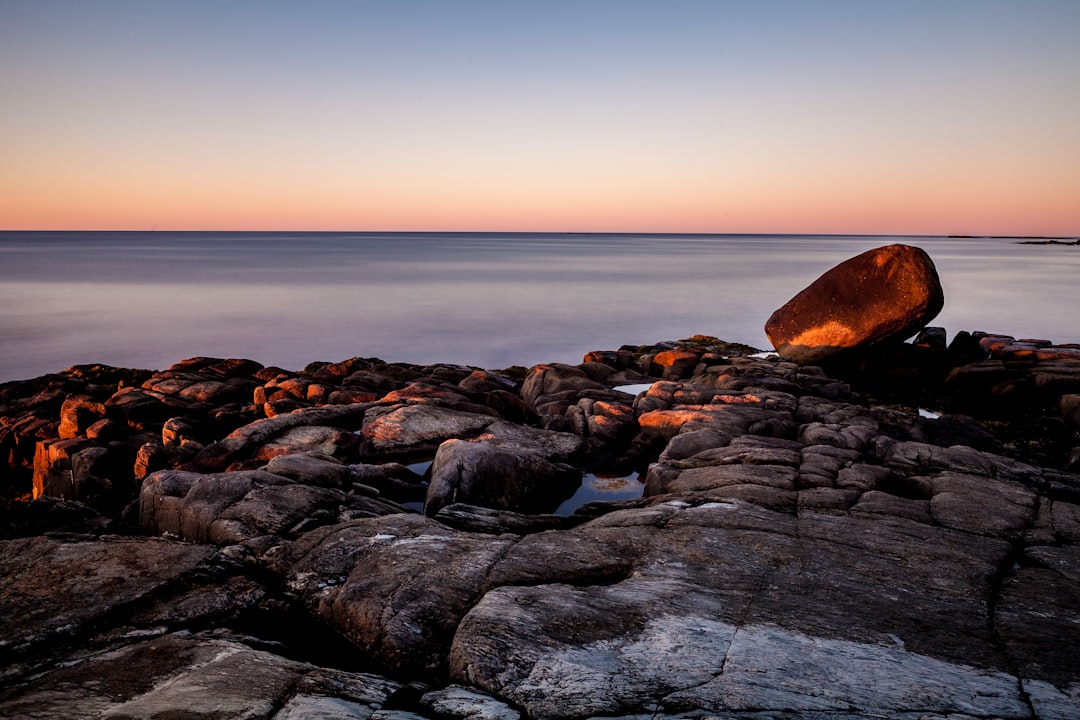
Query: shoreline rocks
376	540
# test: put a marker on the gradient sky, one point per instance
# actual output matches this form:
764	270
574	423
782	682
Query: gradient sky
855	116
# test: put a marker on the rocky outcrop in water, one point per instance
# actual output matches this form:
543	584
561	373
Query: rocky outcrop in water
240	541
885	294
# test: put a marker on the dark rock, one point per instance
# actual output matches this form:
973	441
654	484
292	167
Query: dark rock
143	409
931	337
980	505
597	371
472	518
882	295
967	345
283	406
485	381
558	447
462	703
178	432
396	586
498	477
382	377
547	382
312	469
234	507
348	397
243	442
208	675
49	514
186	504
340	370
604	422
392	480
1036	601
618	359
652	637
92	585
222	368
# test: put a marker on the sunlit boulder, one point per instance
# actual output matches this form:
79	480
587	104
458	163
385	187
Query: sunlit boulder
888	293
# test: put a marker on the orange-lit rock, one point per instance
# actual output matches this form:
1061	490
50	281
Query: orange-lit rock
422	391
151	457
53	471
412	428
77	414
607	420
884	294
309	438
668	423
674	364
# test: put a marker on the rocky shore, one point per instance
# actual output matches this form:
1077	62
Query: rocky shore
854	527
898	537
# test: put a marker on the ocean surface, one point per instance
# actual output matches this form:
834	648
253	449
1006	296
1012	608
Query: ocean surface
149	299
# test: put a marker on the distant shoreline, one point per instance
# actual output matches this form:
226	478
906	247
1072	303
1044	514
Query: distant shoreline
1050	242
1025	239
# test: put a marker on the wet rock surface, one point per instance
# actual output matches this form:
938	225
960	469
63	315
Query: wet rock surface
222	539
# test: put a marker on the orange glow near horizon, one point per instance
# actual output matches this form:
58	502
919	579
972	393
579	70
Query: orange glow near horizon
794	206
953	119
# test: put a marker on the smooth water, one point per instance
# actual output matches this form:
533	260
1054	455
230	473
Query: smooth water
603	488
489	300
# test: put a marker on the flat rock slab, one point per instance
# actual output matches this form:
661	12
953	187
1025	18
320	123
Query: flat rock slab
56	591
396	586
230	508
883	294
194	676
727	607
413	428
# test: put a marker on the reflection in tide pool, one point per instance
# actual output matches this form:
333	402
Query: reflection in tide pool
603	488
634	389
420	468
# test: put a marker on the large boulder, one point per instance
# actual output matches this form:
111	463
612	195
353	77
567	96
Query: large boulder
888	293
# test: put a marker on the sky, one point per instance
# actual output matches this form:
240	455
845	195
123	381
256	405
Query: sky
847	116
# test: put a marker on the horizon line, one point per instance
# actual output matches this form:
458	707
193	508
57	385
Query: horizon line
546	232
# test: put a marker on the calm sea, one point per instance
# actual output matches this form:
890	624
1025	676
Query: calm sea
490	300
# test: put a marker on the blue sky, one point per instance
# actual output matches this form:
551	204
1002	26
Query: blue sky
909	117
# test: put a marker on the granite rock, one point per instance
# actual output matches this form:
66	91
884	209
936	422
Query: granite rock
884	294
499	477
801	549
